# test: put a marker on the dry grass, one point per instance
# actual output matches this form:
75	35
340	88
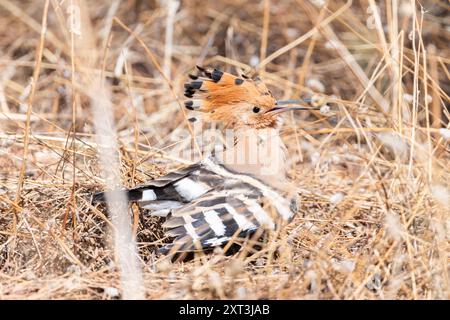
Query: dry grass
373	175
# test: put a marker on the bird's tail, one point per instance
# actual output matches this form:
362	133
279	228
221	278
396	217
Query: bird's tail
160	200
132	195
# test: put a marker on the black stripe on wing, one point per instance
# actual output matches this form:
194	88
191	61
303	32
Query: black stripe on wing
197	227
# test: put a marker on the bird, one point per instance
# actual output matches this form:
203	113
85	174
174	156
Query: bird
238	192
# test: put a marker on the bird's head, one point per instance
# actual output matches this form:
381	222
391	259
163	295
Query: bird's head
237	102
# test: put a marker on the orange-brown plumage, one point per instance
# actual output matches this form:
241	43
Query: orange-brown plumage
234	101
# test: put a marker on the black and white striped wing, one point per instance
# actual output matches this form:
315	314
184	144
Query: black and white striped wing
216	218
208	205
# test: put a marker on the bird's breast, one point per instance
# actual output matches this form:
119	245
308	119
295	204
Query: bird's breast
258	152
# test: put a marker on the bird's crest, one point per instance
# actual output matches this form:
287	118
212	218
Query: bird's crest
236	101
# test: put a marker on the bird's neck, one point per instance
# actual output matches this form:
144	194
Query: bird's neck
259	152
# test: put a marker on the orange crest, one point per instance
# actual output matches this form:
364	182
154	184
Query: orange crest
235	101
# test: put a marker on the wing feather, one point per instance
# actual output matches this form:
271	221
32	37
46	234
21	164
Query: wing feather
213	220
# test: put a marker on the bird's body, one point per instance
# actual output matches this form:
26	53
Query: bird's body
207	204
234	193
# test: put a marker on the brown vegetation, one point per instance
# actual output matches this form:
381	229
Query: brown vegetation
373	174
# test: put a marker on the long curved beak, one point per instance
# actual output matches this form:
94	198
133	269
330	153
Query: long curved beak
283	102
279	106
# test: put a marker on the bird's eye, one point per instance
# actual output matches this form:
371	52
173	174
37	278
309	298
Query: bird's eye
256	109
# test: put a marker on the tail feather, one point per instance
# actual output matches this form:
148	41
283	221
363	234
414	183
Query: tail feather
183	190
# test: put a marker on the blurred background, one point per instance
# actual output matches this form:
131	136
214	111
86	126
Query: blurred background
372	173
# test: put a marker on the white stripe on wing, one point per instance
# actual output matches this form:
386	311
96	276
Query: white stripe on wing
214	222
190	189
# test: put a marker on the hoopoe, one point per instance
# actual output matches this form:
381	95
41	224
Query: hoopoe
221	199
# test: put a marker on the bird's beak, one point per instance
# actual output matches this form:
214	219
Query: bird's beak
283	102
279	106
